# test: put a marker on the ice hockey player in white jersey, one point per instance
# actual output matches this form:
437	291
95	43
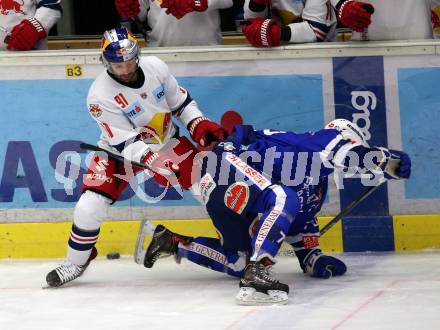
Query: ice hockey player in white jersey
402	20
177	22
133	102
25	24
291	22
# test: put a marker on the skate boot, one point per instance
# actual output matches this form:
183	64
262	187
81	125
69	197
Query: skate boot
257	287
68	272
164	241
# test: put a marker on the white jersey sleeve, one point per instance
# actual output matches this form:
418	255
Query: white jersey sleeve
308	20
47	12
413	20
321	18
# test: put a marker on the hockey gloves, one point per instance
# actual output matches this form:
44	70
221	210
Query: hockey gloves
262	32
319	265
355	15
174	165
204	132
163	170
179	8
127	8
395	164
25	35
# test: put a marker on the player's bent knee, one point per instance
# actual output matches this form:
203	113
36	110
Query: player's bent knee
90	210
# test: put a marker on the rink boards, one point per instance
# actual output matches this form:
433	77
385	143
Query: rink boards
49	240
389	90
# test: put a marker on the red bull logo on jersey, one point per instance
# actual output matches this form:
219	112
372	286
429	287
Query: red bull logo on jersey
237	197
95	110
11	6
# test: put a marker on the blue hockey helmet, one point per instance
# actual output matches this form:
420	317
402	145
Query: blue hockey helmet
119	45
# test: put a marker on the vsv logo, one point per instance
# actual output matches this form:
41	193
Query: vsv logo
364	101
9	6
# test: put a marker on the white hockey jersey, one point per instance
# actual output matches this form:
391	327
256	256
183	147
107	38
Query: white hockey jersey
124	113
194	29
12	12
402	20
308	20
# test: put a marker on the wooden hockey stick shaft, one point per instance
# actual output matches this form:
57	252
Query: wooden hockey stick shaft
350	207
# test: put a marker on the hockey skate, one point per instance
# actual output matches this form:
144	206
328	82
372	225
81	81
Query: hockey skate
67	272
164	241
257	287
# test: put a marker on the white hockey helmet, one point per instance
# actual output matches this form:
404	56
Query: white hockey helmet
348	130
119	45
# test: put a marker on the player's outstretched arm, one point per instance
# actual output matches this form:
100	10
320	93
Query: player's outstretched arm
350	143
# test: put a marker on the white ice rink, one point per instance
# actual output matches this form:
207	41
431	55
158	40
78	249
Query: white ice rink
380	291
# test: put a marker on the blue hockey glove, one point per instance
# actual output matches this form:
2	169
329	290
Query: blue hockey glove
322	266
395	164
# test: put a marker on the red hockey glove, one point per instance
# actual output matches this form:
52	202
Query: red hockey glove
262	32
127	8
204	132
25	34
174	165
189	172
179	8
163	170
355	15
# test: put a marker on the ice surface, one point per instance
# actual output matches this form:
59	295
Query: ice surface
380	291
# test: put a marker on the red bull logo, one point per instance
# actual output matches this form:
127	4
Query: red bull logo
121	51
11	6
95	110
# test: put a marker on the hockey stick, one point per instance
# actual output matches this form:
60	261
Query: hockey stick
350	207
140	27
120	158
113	155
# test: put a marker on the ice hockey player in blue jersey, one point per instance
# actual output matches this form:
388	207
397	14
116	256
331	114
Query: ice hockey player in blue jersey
262	188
